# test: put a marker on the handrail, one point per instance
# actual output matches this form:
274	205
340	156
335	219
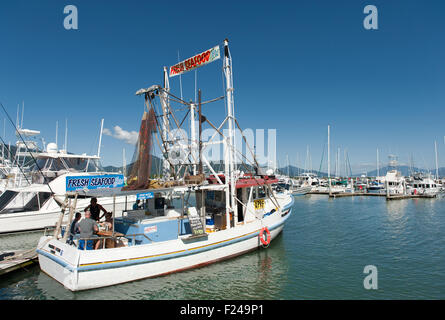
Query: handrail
113	237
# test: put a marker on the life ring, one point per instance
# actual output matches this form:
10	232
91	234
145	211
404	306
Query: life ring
265	242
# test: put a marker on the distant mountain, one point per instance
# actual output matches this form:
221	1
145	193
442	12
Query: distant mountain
295	171
405	170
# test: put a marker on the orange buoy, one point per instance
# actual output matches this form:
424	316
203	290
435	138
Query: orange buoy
266	241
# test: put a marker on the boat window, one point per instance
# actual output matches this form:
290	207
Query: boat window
6	198
254	193
49	164
159	203
218	196
261	192
37	201
94	166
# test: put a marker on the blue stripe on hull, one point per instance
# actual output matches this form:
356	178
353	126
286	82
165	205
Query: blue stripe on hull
191	251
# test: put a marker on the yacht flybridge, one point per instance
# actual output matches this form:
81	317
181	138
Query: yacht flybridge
219	214
37	204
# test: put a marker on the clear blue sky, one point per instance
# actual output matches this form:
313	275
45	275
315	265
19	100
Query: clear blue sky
298	66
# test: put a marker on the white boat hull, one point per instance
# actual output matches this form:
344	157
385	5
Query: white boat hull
301	190
81	270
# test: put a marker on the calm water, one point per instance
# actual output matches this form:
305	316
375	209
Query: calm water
320	254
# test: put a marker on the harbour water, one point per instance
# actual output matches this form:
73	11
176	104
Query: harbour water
321	254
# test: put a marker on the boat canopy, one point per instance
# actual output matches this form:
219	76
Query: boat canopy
110	192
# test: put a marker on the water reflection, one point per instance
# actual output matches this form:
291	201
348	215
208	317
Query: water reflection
396	208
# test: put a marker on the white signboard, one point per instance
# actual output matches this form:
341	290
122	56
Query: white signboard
195	62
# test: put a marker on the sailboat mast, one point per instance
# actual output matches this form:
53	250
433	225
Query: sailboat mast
288	165
329	154
378	173
100	137
57	130
435	151
66	135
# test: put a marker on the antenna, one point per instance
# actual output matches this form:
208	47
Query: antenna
17	124
23	112
124	163
57	129
180	83
100	137
66	135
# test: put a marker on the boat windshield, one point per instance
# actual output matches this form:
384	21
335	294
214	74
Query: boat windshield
6	198
71	164
13	201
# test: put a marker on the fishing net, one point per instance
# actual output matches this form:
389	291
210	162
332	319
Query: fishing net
139	177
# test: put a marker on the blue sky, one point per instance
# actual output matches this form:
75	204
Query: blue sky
298	66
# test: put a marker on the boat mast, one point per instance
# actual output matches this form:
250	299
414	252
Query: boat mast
378	173
100	137
437	168
329	160
65	147
288	165
165	123
192	135
57	130
230	140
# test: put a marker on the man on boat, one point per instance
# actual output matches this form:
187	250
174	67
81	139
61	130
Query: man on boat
74	228
95	209
87	228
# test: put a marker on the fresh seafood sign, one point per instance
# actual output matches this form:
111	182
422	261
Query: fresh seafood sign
94	182
195	61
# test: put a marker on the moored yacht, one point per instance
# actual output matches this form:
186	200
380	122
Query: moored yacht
423	186
37	205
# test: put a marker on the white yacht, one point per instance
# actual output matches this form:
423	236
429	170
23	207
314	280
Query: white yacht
395	183
308	179
37	205
423	186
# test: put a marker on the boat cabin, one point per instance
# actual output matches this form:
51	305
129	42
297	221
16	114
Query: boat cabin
54	164
162	215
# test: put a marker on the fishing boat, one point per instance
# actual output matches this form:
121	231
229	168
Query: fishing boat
220	214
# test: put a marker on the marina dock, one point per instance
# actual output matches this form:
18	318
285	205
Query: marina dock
367	194
14	260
